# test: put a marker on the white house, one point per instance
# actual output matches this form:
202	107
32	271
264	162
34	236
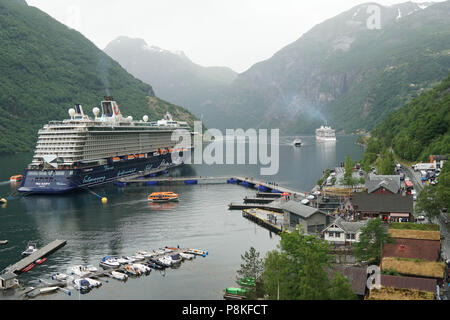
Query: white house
343	232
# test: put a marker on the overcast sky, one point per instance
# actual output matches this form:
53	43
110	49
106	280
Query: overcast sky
232	33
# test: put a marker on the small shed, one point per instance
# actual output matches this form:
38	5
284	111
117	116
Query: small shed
8	280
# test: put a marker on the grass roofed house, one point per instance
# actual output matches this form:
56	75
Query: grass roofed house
415	231
414	267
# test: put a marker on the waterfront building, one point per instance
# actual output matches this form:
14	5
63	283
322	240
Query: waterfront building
389	207
343	232
312	220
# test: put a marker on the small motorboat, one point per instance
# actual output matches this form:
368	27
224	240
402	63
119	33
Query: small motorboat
145	254
187	256
126	260
131	270
93	283
31	248
160	252
82	284
154	265
162	197
119	275
28	268
297	142
166	261
109	262
138	257
59	276
176	258
16	178
82	271
48	290
40	261
197	252
171	248
143	268
158	263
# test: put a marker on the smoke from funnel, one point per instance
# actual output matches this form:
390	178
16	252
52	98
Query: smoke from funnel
103	71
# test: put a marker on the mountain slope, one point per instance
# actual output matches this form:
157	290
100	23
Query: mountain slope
342	72
173	76
420	128
45	68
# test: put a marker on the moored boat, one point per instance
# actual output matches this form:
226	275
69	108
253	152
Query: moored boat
109	262
31	248
119	275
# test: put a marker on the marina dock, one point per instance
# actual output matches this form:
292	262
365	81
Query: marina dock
41	253
268	219
274	188
243	206
258	200
174	179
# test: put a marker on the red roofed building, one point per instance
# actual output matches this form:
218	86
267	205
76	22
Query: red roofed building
413	248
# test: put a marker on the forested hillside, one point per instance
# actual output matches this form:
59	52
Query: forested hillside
45	68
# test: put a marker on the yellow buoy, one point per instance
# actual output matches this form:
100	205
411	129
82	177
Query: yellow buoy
3	200
104	200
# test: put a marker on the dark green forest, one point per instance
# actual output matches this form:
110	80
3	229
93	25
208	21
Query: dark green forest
46	68
417	130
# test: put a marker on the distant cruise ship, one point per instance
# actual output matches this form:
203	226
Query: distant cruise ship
325	133
82	152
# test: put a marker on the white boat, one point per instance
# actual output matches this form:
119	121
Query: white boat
31	248
132	270
59	276
325	133
196	252
159	252
82	284
142	268
165	261
187	256
82	271
109	262
145	254
176	258
119	275
126	260
297	142
93	283
138	257
48	290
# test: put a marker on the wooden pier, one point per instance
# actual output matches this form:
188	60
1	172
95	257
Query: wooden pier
260	217
41	253
268	195
258	200
243	206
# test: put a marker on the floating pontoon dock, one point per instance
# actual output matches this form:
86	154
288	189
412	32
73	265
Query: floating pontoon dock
41	253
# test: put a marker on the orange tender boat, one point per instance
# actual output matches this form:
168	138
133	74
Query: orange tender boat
162	197
16	178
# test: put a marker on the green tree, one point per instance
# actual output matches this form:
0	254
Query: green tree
348	175
371	240
386	164
298	271
341	288
443	187
429	203
250	272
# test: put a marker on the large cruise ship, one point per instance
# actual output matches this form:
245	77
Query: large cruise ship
82	152
325	133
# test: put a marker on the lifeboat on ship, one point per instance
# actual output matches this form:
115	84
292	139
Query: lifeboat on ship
162	197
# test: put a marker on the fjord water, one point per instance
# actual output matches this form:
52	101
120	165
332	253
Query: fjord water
128	223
